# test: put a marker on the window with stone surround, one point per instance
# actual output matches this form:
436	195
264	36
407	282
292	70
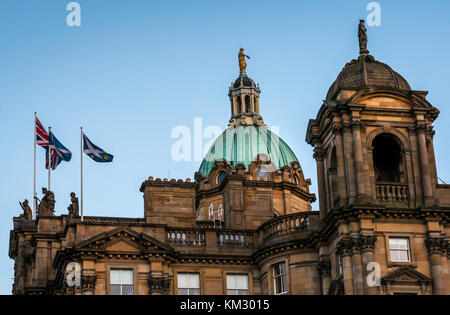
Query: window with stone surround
280	278
121	282
188	284
399	249
237	284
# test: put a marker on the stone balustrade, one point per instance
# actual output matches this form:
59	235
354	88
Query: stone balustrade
284	225
392	192
235	239
186	237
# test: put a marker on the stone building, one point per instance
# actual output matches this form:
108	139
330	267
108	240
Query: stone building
245	224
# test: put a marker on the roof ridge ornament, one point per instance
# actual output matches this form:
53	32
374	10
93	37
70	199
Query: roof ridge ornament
362	35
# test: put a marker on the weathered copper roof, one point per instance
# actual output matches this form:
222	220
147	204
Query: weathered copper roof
366	72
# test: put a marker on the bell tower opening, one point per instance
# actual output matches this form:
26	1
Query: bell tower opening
387	159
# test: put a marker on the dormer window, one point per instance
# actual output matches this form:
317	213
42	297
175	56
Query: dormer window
221	177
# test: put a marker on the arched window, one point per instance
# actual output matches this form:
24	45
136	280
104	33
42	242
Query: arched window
239	105
221	177
387	159
263	172
247	104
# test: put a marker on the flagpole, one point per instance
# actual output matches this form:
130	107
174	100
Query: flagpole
49	157
81	156
34	183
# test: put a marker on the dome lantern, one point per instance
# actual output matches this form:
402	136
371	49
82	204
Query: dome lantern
244	97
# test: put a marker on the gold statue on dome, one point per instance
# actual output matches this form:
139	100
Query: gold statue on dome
242	63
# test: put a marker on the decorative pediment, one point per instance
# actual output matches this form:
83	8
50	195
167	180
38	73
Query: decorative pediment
123	239
405	275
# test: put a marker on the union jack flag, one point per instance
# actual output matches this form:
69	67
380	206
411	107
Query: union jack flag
41	134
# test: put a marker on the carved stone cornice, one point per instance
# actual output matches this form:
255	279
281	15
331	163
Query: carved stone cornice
88	283
159	285
324	268
367	243
345	247
436	246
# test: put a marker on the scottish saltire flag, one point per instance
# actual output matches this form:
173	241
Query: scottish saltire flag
94	152
58	151
41	134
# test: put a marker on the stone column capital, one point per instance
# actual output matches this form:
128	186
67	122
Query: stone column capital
367	243
319	154
88	283
345	247
159	285
421	128
356	125
436	246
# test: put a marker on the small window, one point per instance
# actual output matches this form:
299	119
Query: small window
221	177
280	278
188	284
399	249
237	284
121	281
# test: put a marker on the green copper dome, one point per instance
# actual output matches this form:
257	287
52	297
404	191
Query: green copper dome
242	144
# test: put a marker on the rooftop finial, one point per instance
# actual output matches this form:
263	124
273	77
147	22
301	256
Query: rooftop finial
362	35
242	63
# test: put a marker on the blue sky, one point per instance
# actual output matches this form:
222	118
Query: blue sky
136	69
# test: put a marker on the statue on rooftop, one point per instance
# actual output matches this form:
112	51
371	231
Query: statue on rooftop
242	63
27	212
47	204
73	207
362	35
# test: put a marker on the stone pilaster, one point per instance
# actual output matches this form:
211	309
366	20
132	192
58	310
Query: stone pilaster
319	155
437	247
345	250
340	164
367	246
324	267
424	165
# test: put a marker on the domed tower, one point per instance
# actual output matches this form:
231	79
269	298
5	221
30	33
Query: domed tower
373	139
248	155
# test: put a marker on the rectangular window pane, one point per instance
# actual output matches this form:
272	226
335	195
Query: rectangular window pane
182	280
182	291
242	282
127	277
232	292
127	290
115	276
399	249
194	291
194	281
231	282
115	289
188	283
